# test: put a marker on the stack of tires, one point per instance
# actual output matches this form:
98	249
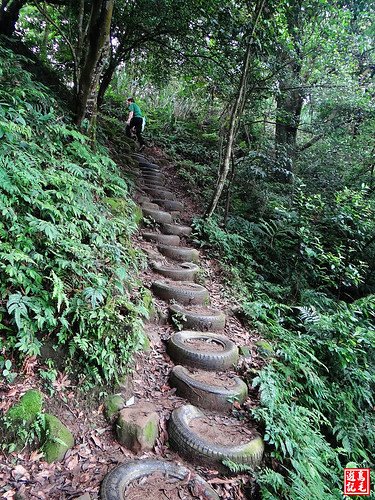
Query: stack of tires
204	357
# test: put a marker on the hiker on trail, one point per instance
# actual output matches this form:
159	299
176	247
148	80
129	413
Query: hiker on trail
135	119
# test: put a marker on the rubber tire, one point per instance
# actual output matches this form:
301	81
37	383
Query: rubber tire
184	354
158	176
183	292
165	239
181	254
144	199
208	396
170	204
157	180
150	170
150	206
212	321
153	185
153	178
196	449
116	481
160	193
185	271
176	229
157	215
149	166
152	165
139	157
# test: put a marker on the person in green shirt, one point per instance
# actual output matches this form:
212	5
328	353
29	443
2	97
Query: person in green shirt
135	119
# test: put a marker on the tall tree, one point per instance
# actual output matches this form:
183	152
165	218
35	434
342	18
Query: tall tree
290	93
94	58
152	24
235	113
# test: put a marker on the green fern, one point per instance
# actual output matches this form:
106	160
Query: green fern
67	263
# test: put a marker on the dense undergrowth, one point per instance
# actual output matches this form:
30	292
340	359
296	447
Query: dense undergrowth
68	270
316	390
301	264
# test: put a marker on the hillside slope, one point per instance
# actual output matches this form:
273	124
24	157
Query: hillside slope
68	271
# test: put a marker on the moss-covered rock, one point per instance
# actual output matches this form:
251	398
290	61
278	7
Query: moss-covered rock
112	405
138	215
265	348
58	439
137	427
148	301
19	425
245	351
27	409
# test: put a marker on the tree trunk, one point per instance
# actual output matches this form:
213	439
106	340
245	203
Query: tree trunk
106	80
290	98
97	46
288	113
79	47
44	46
230	184
234	116
9	13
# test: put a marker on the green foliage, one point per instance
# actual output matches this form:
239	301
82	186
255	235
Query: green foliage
317	388
6	370
237	468
67	264
57	438
178	320
23	422
313	242
323	414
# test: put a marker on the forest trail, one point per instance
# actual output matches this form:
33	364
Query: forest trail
183	305
96	451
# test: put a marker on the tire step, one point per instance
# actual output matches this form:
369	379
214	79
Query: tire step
192	386
157	215
183	292
166	239
153	185
169	204
118	479
185	271
181	254
150	206
144	165
201	319
208	452
143	199
176	229
160	193
153	175
193	349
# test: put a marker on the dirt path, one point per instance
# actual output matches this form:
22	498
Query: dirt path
96	451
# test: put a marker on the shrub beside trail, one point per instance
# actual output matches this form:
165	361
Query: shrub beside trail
68	269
